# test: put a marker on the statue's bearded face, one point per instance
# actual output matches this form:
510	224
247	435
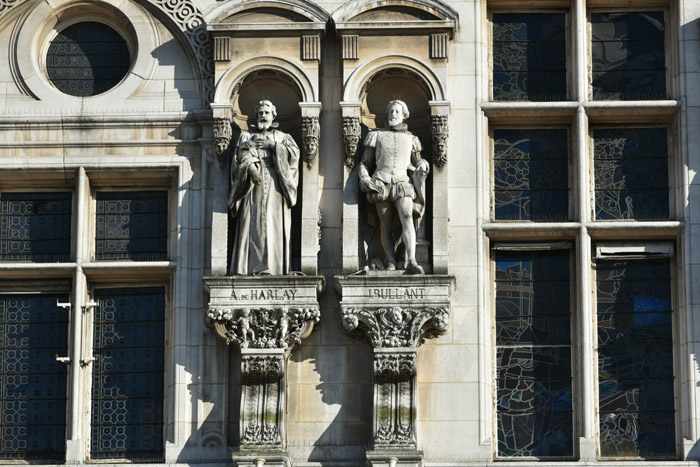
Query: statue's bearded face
264	117
395	116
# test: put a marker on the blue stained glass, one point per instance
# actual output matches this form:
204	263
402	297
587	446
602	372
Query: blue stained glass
635	359
33	330
127	379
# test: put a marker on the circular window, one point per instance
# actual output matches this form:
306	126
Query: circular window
87	59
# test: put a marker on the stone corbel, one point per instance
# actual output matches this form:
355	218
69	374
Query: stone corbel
395	315
310	130
267	318
221	130
439	131
351	131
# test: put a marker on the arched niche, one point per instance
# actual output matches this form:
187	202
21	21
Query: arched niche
386	85
283	91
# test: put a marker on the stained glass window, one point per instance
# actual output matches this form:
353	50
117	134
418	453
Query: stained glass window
529	56
33	331
127	378
132	226
533	354
531	175
35	227
86	59
631	173
628	55
635	359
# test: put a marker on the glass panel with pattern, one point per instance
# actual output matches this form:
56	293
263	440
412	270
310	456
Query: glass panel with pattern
533	354
87	59
631	173
35	227
635	359
33	331
531	175
529	56
628	55
132	225
127	378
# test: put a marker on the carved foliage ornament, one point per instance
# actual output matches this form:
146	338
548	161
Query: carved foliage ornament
439	132
310	134
351	139
222	137
395	326
262	399
394	365
263	328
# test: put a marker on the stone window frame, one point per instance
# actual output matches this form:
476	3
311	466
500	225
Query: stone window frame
581	115
82	274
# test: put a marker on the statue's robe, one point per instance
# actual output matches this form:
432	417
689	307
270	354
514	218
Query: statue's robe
263	212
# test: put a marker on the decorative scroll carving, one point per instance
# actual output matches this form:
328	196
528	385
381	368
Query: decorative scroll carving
394	373
261	401
395	326
351	138
222	137
439	132
263	328
310	135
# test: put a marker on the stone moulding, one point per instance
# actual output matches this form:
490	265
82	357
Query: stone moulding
394	314
267	317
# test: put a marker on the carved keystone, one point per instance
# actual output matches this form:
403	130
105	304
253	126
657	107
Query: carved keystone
394	314
267	318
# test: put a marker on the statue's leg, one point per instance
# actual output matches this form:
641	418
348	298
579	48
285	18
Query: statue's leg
386	218
404	207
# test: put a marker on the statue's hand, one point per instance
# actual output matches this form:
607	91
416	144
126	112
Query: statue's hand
254	174
264	144
423	167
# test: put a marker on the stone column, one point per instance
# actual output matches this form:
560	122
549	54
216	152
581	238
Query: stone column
267	318
394	314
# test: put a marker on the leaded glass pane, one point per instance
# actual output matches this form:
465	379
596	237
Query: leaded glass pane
86	59
631	173
529	56
628	55
127	378
531	175
132	225
35	227
635	359
533	354
33	330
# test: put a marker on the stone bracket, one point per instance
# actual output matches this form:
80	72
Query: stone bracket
351	131
439	131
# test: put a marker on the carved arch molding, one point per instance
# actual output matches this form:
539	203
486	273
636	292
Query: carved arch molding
188	19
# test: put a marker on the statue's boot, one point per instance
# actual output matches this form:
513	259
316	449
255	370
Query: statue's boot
413	267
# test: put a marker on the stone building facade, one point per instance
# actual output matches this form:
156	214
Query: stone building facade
559	238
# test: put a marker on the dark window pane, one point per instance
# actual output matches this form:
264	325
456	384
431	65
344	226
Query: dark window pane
628	55
529	56
533	354
35	227
127	379
33	330
132	225
631	173
635	359
87	59
531	175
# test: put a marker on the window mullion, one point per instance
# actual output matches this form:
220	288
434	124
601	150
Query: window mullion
580	30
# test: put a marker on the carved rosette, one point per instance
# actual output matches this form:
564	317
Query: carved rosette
395	326
222	137
351	139
439	132
310	135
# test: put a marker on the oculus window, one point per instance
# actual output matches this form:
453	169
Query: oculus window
87	59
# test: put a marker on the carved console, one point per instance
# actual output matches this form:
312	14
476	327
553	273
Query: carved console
267	318
394	314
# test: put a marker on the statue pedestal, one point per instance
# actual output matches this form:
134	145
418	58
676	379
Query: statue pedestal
267	317
394	314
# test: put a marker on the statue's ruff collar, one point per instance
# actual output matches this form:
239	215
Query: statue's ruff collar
400	127
273	125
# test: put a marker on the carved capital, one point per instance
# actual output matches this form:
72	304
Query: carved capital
222	137
262	368
395	326
310	135
351	139
263	328
395	365
439	132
